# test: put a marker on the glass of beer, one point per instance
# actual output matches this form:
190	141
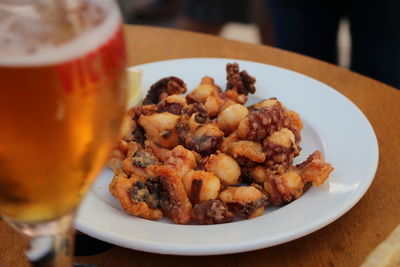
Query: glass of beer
62	100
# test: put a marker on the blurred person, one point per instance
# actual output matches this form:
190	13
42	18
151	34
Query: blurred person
153	12
310	27
209	16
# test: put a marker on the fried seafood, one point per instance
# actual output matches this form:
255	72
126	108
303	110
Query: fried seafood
295	124
163	88
245	152
204	138
280	148
224	167
203	90
259	173
290	185
118	154
138	159
314	169
212	212
261	123
284	188
210	95
161	128
241	82
173	104
201	186
229	118
181	159
134	198
173	200
246	201
206	156
267	103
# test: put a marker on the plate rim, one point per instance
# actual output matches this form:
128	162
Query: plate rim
193	249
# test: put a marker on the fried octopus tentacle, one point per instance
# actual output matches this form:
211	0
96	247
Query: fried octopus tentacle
163	88
261	123
241	81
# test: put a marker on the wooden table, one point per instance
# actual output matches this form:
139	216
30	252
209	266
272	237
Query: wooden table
345	242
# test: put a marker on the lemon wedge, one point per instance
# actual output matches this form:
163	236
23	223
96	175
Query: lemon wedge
134	76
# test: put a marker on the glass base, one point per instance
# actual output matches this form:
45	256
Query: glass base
50	243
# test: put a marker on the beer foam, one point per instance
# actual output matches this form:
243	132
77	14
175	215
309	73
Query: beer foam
80	45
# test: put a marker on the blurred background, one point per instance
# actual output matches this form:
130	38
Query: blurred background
362	35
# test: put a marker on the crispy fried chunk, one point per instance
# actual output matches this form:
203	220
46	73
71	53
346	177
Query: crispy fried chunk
246	201
280	148
240	81
173	199
134	198
163	88
261	123
212	212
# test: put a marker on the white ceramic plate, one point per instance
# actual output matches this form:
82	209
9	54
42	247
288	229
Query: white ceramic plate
332	124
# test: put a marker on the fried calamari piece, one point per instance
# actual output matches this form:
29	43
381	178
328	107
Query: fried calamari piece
261	123
138	159
246	201
181	159
212	212
160	128
284	188
280	148
224	167
226	145
204	138
229	118
203	90
201	114
173	104
173	200
201	186
214	101
118	154
296	124
132	196
314	169
163	88
241	81
130	132
245	151
267	103
258	173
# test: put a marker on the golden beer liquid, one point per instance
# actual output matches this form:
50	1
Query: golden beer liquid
57	126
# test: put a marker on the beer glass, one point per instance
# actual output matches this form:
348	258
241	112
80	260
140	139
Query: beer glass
62	99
